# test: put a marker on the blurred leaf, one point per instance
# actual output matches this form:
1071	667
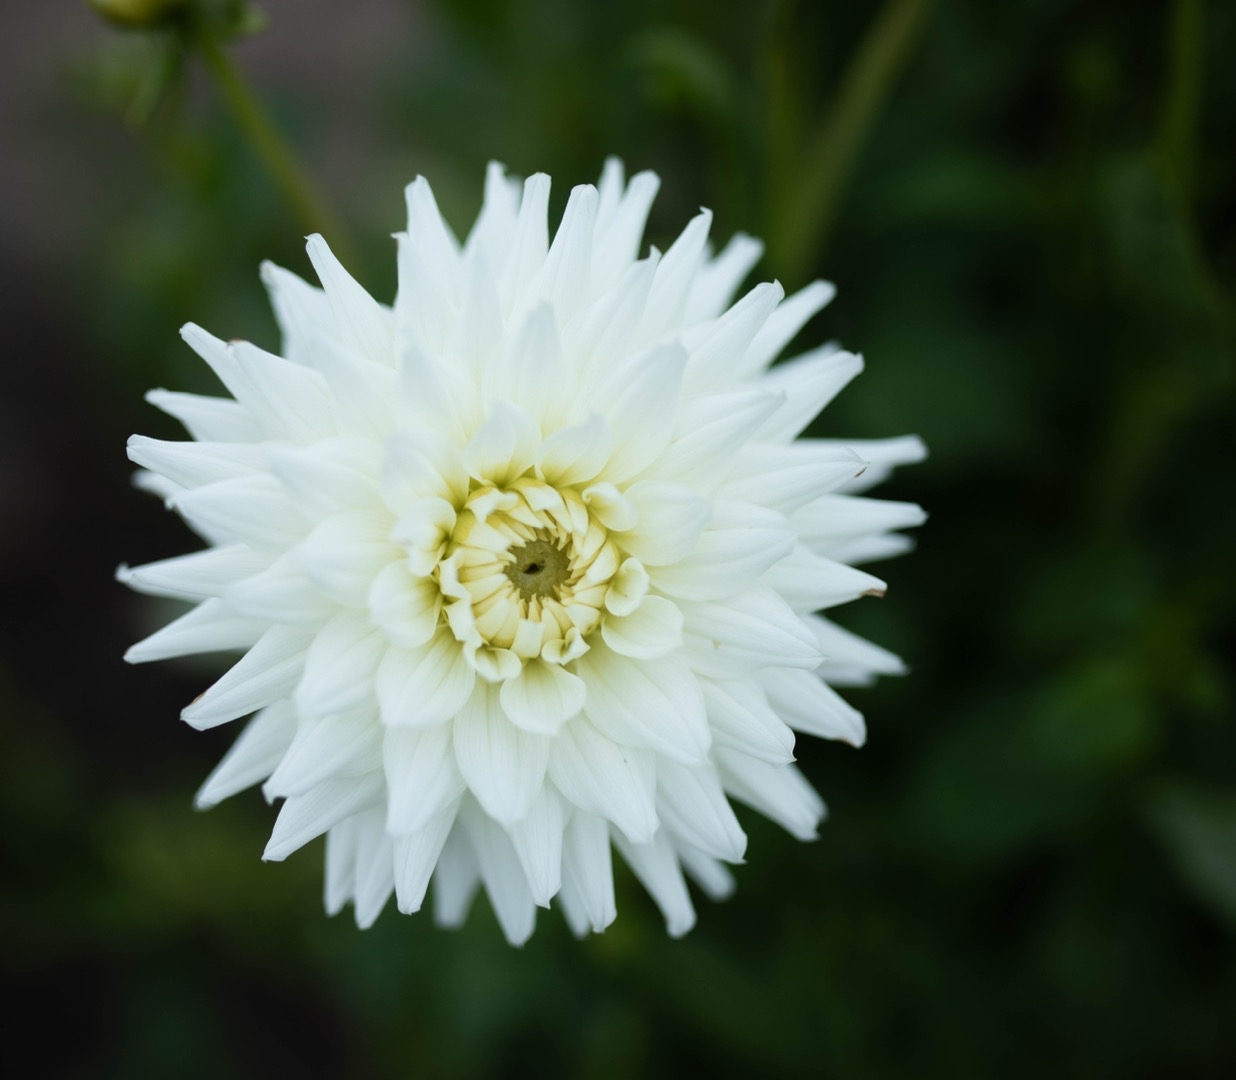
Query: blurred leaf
1198	830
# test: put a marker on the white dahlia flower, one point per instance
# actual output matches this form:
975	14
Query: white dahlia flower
526	565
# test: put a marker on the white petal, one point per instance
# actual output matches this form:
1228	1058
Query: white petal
640	402
405	607
564	278
531	242
809	582
741	543
618	239
286	399
252	757
362	389
192	464
340	884
343	554
844	650
778	792
537	837
302	311
747	631
329	476
362	321
883	456
599	777
416	856
809	383
711	431
574	455
210	627
254	510
787	477
422	464
432	394
495	224
504	447
344	745
709	874
587	870
306	817
456	879
503	766
645	703
832	518
742	719
677	269
421	776
692	806
804	701
610	507
281	593
198	576
542	697
425	686
430	233
715	359
340	666
784	324
502	875
532	372
627	588
478	335
864	549
669	523
375	867
657	868
266	673
651	630
718	280
210	419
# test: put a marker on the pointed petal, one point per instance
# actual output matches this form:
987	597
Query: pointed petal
426	686
306	817
745	632
655	704
416	857
658	870
537	837
601	778
804	701
266	673
542	697
692	806
503	766
653	629
340	666
252	757
778	792
421	776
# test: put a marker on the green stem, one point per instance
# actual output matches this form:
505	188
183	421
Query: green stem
266	142
804	217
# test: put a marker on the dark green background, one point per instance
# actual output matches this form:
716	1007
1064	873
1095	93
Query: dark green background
1029	211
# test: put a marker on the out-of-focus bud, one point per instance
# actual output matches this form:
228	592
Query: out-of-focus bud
144	13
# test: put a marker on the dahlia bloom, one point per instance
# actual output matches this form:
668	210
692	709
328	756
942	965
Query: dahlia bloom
528	566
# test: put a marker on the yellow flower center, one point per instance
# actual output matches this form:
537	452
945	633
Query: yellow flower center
525	574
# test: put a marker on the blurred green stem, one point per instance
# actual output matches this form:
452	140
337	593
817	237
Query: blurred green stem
265	141
803	215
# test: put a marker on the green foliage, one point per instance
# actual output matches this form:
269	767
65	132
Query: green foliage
1027	208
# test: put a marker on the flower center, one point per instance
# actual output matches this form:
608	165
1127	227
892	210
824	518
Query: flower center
538	568
525	573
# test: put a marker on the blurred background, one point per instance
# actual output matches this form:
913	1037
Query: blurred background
1030	211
